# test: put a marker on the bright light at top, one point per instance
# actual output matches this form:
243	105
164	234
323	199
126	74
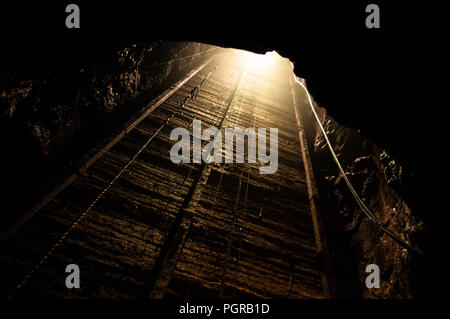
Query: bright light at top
263	60
270	64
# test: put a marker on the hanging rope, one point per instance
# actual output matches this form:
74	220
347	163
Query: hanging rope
358	199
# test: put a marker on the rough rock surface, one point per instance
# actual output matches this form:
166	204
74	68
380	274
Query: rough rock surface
377	177
52	107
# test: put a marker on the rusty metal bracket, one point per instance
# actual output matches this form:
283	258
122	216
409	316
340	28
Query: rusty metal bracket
328	282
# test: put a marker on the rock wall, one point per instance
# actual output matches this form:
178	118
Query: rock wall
355	241
51	107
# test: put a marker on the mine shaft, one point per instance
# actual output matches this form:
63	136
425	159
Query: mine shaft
103	192
165	229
